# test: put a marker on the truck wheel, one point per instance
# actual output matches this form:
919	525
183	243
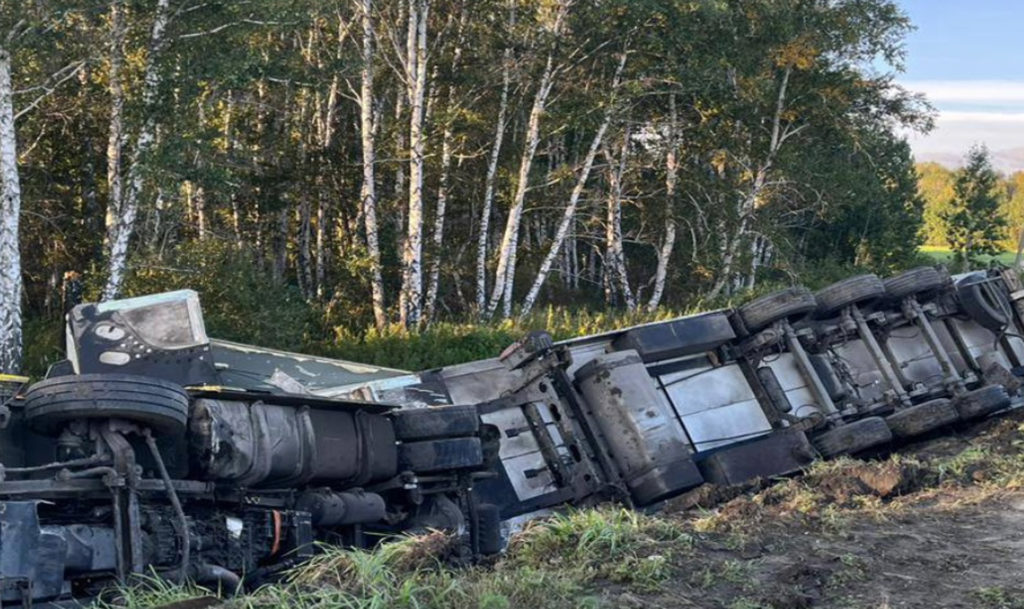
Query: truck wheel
922	418
436	422
841	294
160	405
439	455
919	280
853	437
981	402
981	304
785	304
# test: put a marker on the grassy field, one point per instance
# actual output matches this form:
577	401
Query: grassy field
942	254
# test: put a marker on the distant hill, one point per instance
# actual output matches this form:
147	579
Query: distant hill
1007	160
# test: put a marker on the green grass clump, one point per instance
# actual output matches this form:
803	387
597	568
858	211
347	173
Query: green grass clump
562	561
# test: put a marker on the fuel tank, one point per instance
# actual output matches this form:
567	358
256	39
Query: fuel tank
259	445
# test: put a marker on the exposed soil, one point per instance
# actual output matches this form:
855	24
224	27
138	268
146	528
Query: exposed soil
941	524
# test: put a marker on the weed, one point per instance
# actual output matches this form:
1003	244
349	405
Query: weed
1000	598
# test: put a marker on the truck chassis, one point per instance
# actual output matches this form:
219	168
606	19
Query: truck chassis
154	449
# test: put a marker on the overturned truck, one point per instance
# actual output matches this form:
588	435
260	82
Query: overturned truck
153	449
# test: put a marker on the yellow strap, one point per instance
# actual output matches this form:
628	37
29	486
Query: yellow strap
213	388
13	378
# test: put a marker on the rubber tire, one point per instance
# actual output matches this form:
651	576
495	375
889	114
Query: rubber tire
488	523
922	418
975	302
784	304
981	402
853	437
157	404
439	455
439	422
920	280
841	294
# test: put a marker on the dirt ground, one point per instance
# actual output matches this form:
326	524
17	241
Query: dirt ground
939	524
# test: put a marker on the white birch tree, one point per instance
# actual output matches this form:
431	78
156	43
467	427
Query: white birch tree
115	136
117	255
412	252
10	215
492	170
569	215
368	191
615	258
671	180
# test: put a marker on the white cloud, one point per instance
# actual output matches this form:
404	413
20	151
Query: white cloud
976	91
949	116
970	112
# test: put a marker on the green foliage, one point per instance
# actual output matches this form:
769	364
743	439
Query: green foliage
43	344
874	218
241	300
974	222
450	342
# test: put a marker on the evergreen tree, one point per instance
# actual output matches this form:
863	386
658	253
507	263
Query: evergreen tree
974	222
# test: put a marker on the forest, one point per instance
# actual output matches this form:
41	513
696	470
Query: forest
328	171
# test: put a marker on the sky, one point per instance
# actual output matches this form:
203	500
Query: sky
967	56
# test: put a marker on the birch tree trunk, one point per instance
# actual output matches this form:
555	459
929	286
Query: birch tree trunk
305	262
118	253
671	179
412	254
569	215
326	138
281	245
229	148
492	173
748	203
115	136
437	236
368	191
10	215
505	274
201	221
616	259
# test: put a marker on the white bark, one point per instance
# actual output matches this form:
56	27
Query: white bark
305	270
437	236
615	260
201	221
505	275
412	254
229	147
492	172
10	214
569	215
368	192
118	253
748	202
671	180
115	136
